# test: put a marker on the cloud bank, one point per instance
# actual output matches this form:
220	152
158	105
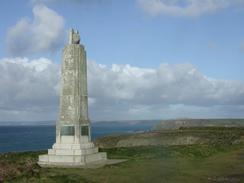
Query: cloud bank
189	8
44	33
30	89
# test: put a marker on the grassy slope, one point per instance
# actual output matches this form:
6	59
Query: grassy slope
174	124
218	161
204	135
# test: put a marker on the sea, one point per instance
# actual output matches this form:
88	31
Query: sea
41	137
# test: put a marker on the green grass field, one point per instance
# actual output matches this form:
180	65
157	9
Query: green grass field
213	162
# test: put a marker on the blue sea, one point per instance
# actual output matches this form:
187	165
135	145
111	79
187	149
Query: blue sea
32	138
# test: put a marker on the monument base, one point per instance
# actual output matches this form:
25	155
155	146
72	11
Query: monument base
72	155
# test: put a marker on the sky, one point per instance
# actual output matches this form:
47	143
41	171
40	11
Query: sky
147	59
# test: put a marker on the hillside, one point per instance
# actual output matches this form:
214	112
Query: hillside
219	159
177	123
182	136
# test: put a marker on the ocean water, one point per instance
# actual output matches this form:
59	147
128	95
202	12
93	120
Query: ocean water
31	138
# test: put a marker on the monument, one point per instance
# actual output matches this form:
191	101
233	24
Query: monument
73	145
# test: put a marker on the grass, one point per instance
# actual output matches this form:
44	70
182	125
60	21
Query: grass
218	161
202	135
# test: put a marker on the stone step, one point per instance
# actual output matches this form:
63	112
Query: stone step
72	151
71	139
71	159
95	157
73	146
61	159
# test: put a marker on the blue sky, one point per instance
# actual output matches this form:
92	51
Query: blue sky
144	35
121	32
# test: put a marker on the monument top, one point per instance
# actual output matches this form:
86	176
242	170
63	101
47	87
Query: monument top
74	37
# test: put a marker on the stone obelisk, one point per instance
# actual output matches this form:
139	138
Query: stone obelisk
73	145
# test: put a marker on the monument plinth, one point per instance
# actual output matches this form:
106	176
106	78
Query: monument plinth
73	145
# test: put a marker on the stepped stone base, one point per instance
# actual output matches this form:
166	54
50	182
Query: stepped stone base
72	154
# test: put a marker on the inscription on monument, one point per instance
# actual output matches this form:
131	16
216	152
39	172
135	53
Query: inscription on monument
67	130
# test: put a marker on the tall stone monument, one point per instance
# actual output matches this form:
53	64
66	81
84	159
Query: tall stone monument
73	145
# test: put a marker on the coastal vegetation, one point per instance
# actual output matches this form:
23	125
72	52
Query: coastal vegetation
219	159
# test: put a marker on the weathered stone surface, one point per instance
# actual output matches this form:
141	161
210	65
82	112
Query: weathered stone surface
73	146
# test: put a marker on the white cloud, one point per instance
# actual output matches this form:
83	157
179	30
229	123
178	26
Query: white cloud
189	8
29	88
29	91
42	34
170	91
169	84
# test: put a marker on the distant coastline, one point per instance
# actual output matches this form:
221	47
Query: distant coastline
32	137
178	123
29	136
